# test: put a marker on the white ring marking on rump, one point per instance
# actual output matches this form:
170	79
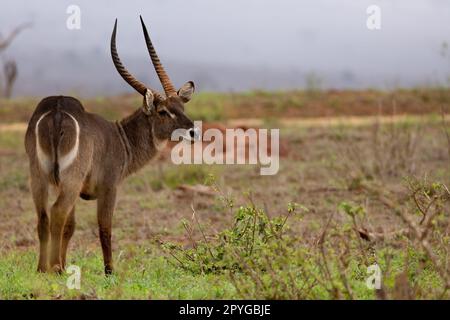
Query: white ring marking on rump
66	160
44	159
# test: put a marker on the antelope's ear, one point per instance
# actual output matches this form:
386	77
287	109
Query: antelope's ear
148	104
186	91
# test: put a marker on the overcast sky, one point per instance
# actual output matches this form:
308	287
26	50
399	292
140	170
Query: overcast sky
230	45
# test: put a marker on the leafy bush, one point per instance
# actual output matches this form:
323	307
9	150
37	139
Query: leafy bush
252	235
265	261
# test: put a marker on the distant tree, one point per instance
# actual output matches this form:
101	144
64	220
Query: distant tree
10	72
445	54
10	66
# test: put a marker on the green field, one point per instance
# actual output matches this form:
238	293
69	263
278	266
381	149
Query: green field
346	197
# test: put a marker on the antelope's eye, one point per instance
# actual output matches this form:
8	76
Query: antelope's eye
163	112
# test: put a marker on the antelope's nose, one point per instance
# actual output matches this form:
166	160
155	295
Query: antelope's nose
194	133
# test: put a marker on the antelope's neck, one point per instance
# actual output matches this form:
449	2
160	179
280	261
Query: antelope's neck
140	143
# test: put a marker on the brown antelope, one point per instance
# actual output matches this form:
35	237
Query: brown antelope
82	154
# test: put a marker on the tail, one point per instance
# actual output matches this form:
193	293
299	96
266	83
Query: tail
57	134
57	140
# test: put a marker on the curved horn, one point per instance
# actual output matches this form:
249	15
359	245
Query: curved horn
132	81
169	89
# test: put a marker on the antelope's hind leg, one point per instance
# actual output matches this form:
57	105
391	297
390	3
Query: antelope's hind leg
60	213
39	190
69	229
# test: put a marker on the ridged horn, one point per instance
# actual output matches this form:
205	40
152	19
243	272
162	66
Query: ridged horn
132	81
169	89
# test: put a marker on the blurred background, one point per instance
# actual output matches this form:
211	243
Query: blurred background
226	45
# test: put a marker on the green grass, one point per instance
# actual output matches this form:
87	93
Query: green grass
12	140
141	273
208	106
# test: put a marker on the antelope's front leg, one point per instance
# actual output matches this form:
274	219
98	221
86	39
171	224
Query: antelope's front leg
105	208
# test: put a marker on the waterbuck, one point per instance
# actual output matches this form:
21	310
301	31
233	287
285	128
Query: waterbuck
83	155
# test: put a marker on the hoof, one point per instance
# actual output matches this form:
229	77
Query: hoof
42	269
108	271
57	269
